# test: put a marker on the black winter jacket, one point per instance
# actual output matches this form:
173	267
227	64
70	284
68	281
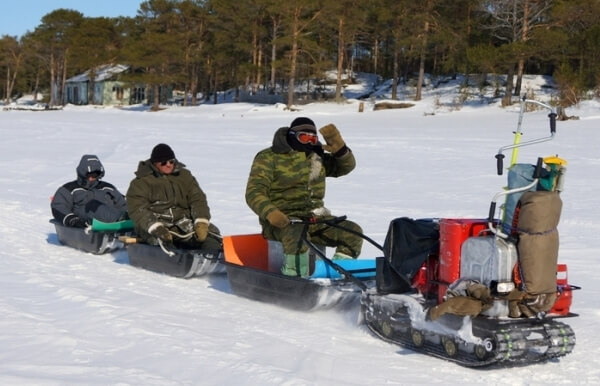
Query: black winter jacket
88	199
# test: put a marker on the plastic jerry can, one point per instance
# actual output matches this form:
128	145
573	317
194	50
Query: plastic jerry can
489	259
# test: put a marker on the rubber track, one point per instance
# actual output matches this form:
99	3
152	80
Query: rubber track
514	342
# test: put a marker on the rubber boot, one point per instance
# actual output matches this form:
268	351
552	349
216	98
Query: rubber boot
295	264
341	256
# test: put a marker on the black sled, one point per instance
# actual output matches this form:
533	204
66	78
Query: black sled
253	267
177	262
87	239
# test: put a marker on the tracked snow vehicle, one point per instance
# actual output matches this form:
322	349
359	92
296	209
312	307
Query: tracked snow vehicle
481	292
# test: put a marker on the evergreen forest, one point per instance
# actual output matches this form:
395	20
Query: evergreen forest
272	46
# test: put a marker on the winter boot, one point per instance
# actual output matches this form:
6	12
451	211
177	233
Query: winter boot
341	256
295	264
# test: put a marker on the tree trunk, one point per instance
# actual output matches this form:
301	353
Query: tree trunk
422	62
375	55
340	61
52	81
63	80
351	56
36	85
194	85
254	73
274	53
293	58
215	95
259	66
396	66
507	100
7	95
156	99
520	68
524	38
11	80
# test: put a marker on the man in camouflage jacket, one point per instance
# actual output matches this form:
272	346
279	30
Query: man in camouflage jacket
166	203
288	180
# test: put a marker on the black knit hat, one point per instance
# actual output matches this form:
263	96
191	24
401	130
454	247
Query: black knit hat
161	152
303	124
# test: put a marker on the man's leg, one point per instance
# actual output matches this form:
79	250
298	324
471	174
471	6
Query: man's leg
295	251
347	244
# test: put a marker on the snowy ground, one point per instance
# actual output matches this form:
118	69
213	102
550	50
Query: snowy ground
70	318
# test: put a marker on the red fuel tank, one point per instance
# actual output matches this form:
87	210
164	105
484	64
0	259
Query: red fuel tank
453	232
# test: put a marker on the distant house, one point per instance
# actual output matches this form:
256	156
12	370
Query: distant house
109	89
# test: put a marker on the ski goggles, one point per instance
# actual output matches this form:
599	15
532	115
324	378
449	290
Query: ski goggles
305	137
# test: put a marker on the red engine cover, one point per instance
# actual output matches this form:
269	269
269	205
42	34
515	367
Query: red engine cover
425	278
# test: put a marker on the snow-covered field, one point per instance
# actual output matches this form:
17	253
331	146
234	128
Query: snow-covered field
70	318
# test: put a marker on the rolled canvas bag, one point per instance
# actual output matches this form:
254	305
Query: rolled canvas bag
538	217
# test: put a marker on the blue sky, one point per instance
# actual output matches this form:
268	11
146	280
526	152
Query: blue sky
19	16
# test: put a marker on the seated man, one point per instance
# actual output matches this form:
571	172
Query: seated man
76	203
166	203
288	180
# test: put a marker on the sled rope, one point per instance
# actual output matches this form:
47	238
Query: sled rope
165	250
184	236
216	235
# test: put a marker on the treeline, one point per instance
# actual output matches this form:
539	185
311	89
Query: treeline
272	45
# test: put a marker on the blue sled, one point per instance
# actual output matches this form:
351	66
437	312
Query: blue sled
363	269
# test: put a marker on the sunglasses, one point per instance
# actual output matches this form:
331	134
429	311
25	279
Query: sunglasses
93	174
305	138
170	162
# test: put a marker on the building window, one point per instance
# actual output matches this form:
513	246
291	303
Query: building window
118	92
139	94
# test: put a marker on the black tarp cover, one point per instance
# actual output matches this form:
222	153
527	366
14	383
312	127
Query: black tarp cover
407	245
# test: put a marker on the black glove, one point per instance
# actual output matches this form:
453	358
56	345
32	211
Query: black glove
161	232
76	222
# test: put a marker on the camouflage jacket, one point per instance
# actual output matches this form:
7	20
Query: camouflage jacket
153	197
288	180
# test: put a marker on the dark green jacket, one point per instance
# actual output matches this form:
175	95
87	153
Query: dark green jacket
288	180
153	196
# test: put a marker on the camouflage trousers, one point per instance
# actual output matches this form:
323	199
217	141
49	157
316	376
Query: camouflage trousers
319	234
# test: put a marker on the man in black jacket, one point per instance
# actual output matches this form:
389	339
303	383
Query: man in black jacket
76	203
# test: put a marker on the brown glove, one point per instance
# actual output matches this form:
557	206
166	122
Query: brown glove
201	229
161	232
278	219
332	137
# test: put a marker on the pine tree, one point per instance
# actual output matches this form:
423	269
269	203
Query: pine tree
95	43
54	41
11	61
155	48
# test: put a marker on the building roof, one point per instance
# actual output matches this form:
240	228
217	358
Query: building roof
103	72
